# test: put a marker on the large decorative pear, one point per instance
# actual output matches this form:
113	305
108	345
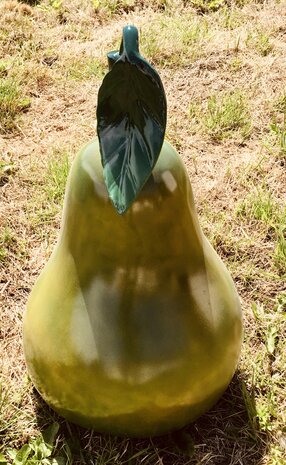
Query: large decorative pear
134	325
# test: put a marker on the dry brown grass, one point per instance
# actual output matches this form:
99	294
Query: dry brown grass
49	51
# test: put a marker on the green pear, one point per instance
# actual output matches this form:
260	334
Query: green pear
134	326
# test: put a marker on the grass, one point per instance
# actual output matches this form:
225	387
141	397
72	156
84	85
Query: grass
206	6
6	239
276	142
113	7
179	48
260	41
226	116
226	107
223	116
80	69
56	177
50	196
260	205
12	104
279	136
37	451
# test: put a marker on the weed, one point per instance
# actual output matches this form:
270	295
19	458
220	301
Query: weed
12	103
6	171
5	66
45	209
56	177
235	64
260	41
280	249
270	326
112	7
279	133
206	6
37	451
56	4
176	49
224	117
230	17
260	205
86	69
16	30
250	404
6	241
280	103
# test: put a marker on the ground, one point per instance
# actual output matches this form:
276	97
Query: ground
223	67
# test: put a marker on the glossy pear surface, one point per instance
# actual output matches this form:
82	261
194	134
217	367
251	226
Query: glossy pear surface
134	325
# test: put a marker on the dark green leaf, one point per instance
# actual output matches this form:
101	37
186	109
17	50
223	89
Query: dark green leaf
49	435
131	121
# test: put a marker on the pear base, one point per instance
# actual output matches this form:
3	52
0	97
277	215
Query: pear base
145	423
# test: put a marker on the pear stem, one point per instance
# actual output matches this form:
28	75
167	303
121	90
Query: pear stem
130	41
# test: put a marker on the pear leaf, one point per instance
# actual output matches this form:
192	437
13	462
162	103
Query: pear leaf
131	122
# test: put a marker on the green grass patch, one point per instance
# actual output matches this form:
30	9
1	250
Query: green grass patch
278	144
49	199
56	177
11	246
280	103
7	170
86	69
207	6
174	40
6	239
268	363
260	41
12	104
230	17
222	116
16	31
112	7
5	66
260	205
226	116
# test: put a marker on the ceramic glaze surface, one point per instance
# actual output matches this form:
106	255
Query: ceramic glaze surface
131	121
134	325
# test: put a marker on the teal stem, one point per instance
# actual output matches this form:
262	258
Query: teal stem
130	41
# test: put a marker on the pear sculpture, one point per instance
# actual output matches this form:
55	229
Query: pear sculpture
134	326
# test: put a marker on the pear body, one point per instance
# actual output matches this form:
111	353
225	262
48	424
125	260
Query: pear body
134	326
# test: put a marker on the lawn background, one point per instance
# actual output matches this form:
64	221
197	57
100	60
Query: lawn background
223	66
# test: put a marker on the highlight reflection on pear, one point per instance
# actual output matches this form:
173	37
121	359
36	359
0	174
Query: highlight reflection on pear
134	325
